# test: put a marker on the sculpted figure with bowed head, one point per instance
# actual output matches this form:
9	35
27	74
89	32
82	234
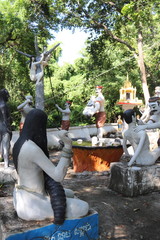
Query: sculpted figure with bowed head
139	141
39	193
25	108
5	126
89	107
65	124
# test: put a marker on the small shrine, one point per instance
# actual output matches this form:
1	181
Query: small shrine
128	99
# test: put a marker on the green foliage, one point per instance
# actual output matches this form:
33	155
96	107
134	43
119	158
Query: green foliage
117	21
108	57
20	22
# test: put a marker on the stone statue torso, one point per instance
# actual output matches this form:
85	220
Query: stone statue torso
4	118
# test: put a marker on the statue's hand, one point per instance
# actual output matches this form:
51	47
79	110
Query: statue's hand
127	155
132	161
140	127
63	134
140	122
9	130
129	164
28	100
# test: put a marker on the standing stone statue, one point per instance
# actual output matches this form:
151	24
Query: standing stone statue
65	124
39	193
120	124
139	141
97	110
25	108
36	67
5	126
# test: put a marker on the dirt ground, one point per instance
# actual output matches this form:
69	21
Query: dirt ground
120	217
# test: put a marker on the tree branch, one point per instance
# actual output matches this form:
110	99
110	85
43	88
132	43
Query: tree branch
108	32
8	38
118	10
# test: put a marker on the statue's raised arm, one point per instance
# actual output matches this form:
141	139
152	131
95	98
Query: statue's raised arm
47	54
25	54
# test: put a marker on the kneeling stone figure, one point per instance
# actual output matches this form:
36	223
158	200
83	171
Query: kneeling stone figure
39	194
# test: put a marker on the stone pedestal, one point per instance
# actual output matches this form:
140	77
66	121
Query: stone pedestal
136	180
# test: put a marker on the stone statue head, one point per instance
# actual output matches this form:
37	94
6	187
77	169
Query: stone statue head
34	129
129	115
91	101
98	89
4	94
154	104
68	103
157	91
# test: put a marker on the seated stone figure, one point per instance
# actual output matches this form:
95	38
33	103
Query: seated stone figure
39	194
153	116
139	141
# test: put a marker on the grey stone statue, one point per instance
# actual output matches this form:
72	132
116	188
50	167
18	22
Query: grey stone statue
139	141
36	68
37	63
5	126
96	107
65	124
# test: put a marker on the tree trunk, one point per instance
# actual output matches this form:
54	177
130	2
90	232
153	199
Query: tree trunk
39	96
142	68
140	50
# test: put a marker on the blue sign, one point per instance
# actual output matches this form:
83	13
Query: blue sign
85	228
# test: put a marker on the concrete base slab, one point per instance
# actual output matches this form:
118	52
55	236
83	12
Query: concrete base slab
14	228
136	180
